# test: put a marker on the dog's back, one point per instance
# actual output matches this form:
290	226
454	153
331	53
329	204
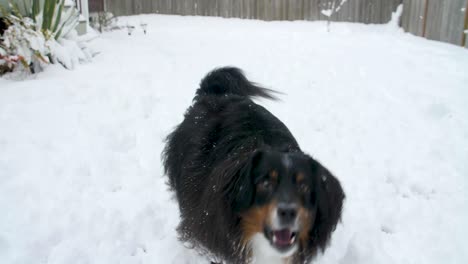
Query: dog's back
223	121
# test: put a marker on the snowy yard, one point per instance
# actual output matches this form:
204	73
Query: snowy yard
80	173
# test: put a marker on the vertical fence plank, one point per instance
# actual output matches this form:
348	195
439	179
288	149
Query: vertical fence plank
295	10
270	8
224	8
149	6
213	8
236	7
267	10
373	9
413	16
165	6
260	9
455	14
96	6
465	32
346	12
365	12
175	7
202	7
377	7
182	7
187	8
434	19
122	7
349	12
249	9
386	10
445	20
279	9
137	6
311	9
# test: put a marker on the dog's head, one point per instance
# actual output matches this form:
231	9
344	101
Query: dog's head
287	202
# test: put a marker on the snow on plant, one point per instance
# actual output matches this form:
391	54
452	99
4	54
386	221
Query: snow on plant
69	51
49	17
104	21
333	6
7	62
21	39
44	33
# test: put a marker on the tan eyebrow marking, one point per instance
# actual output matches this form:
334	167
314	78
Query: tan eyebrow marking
300	177
274	175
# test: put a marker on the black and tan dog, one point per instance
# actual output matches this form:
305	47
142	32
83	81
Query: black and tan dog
246	191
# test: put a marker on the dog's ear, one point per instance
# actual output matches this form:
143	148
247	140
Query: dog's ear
328	197
241	189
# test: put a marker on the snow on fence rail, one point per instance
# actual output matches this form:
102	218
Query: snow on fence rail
442	20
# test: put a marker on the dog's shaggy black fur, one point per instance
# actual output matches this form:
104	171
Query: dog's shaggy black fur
211	157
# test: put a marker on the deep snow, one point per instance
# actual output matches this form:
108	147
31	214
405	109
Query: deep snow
80	172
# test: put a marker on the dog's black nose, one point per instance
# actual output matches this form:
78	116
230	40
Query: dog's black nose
287	213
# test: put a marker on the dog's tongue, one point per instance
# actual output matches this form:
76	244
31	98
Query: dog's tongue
283	237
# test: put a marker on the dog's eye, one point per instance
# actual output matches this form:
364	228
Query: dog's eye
265	184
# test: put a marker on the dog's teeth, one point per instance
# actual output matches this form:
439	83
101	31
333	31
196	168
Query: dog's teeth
274	239
293	238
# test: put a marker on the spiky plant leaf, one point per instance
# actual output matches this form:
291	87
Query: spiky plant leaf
70	21
15	9
46	15
3	11
36	8
26	6
58	16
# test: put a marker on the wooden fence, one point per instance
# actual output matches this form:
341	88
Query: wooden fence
443	20
366	11
96	5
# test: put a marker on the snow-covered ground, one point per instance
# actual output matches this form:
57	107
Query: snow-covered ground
80	173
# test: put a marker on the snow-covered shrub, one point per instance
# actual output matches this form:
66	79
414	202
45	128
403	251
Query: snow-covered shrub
49	16
22	40
40	34
104	21
7	63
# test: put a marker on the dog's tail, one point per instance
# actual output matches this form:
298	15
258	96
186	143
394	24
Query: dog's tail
231	80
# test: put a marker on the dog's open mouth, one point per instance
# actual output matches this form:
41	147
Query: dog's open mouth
282	239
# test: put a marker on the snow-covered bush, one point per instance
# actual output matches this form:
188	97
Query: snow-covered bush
49	16
104	21
40	34
23	41
6	62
